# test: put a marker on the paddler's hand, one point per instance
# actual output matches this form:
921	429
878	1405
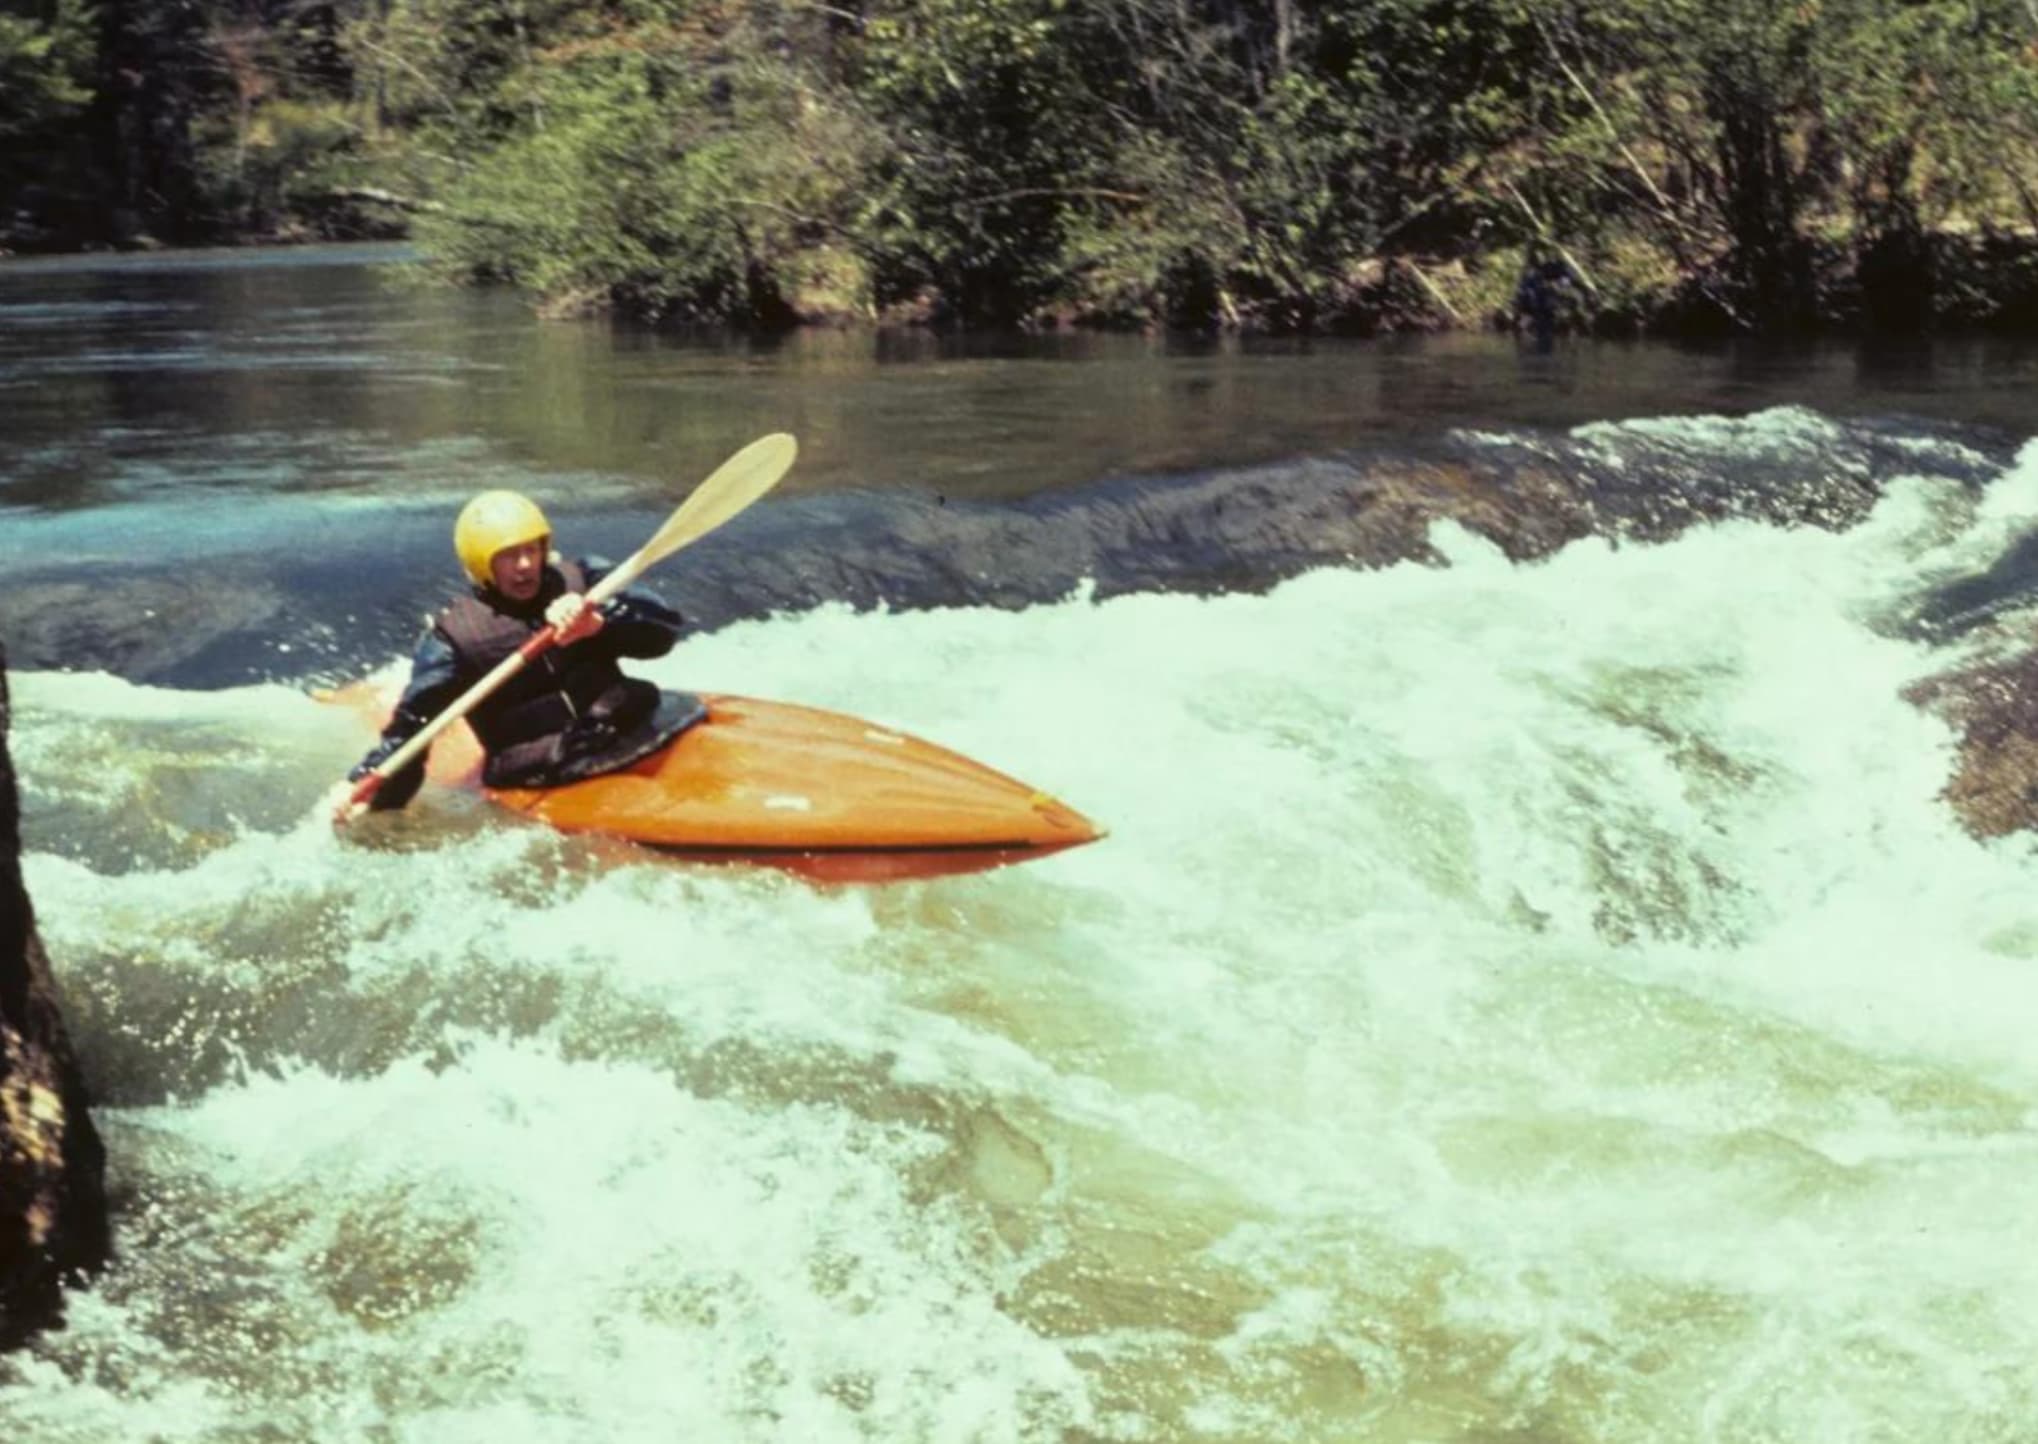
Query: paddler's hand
340	804
573	618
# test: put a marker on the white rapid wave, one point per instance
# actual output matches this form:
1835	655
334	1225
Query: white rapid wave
1533	1002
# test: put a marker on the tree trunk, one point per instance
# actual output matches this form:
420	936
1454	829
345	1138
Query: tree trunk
1760	194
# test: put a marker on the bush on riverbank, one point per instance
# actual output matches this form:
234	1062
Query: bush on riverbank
1274	164
1726	165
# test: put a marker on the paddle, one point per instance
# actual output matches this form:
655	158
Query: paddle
737	482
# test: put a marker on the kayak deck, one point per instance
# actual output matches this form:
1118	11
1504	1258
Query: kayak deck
822	794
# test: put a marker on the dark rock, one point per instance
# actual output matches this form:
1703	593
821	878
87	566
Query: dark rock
53	1224
140	627
1250	529
1994	707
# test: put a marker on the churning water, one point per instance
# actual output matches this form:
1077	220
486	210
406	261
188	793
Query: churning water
1526	1002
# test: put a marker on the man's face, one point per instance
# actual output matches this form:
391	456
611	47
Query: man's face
519	570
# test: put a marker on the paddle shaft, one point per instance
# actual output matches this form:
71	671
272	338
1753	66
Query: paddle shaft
733	486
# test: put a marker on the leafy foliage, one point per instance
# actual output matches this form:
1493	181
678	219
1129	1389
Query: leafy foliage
1282	163
44	69
45	84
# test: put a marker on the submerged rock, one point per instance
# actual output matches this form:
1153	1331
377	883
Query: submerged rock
1994	707
52	1165
1530	493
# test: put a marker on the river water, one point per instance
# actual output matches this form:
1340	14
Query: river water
1518	1000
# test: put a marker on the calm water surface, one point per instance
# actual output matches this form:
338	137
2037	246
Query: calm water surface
141	379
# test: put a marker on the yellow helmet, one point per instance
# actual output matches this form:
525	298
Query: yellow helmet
489	523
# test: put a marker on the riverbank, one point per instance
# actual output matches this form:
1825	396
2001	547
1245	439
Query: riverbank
70	228
1970	281
1973	280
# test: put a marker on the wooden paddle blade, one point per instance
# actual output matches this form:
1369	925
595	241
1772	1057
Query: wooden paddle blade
736	483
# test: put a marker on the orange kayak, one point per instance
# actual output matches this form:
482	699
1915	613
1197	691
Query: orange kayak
825	795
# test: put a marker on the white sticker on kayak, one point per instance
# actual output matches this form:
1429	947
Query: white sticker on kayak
892	737
785	803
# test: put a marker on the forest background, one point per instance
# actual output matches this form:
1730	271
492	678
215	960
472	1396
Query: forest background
1284	165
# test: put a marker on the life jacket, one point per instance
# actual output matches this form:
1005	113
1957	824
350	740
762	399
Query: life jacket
570	713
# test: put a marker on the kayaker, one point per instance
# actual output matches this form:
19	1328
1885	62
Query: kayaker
571	713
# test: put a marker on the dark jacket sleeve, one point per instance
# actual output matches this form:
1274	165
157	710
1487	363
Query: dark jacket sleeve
634	622
435	682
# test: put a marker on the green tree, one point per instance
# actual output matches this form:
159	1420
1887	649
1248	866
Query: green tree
665	166
47	53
